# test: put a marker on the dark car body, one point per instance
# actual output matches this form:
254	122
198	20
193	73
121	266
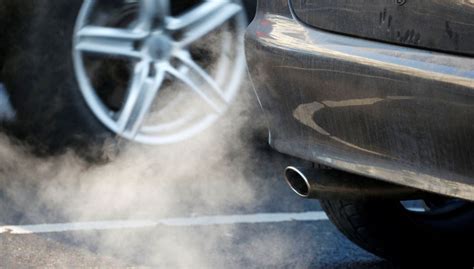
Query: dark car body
383	89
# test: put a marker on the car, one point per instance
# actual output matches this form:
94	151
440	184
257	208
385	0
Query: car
378	97
84	74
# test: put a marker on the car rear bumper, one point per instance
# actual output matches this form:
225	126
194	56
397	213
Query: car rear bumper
390	112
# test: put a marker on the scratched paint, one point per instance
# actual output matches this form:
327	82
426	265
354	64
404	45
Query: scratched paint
435	24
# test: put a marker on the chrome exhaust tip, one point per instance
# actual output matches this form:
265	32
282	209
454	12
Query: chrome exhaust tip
318	183
297	181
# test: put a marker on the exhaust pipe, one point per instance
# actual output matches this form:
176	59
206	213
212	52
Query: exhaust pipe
325	183
298	181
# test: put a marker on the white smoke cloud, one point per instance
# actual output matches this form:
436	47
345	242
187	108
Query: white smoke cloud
209	175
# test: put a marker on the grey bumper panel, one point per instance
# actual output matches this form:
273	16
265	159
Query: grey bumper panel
389	112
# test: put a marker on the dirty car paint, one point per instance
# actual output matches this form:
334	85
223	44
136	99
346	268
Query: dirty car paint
446	25
390	112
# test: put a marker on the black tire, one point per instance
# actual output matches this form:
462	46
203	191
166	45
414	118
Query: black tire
389	230
250	8
38	72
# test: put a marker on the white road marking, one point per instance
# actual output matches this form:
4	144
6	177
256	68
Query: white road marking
173	222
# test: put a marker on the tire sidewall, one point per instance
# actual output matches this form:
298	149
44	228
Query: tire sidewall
52	115
387	229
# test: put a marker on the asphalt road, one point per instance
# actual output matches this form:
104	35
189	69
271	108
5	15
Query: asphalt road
242	180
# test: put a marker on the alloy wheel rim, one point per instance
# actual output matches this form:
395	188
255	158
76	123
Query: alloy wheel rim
158	46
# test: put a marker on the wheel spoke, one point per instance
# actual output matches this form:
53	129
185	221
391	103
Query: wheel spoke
109	41
152	11
202	20
142	92
200	82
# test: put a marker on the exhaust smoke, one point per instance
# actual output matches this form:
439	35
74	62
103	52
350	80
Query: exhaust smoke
213	174
223	170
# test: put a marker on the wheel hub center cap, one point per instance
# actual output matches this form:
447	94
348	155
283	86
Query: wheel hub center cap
159	47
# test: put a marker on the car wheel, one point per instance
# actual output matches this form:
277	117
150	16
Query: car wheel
440	233
153	71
